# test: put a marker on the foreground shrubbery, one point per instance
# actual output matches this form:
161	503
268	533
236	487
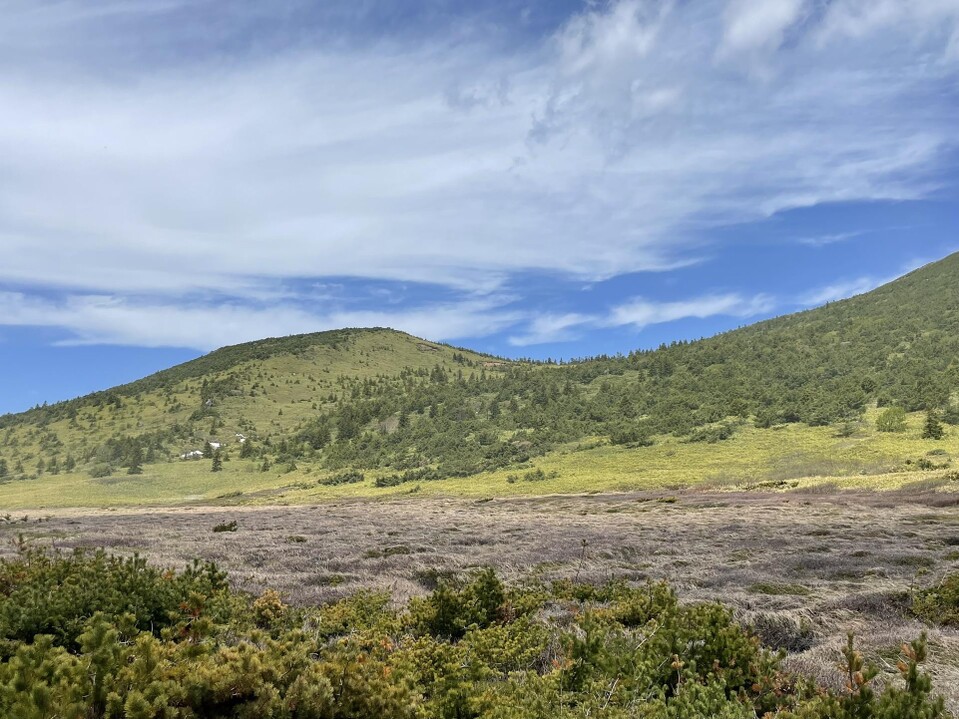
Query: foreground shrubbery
90	636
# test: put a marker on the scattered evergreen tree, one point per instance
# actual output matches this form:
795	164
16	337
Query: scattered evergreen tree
933	428
135	460
217	464
207	450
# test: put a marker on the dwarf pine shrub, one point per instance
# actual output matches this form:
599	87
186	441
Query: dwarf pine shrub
88	636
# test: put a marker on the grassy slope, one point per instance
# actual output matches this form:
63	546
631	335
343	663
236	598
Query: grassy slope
292	378
788	457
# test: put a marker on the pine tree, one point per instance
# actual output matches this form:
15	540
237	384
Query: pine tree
246	449
217	465
932	429
135	460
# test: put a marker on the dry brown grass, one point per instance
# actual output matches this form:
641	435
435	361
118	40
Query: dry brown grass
834	562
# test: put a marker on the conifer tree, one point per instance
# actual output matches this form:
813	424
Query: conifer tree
135	460
932	429
217	465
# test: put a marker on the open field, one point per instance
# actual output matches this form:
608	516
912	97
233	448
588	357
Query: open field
836	562
786	457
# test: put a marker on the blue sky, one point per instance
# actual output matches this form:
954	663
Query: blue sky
526	177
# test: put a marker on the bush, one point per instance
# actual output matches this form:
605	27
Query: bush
448	612
121	640
939	604
714	433
892	419
631	436
56	594
101	470
349	477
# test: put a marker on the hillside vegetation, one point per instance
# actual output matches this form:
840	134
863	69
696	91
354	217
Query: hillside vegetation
866	385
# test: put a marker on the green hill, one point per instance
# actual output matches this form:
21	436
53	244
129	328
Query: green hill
367	410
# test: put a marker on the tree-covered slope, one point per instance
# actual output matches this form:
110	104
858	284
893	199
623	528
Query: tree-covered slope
351	401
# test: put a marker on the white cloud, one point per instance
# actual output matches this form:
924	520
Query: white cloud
552	328
841	290
830	239
611	148
752	25
641	313
106	320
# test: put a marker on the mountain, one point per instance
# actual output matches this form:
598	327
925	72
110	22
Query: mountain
407	410
263	388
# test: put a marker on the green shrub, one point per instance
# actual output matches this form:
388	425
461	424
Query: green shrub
101	470
892	419
349	477
714	433
95	637
450	611
939	604
56	594
631	436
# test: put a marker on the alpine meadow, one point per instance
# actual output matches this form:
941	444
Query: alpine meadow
501	359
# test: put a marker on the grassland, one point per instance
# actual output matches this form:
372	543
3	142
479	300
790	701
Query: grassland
782	458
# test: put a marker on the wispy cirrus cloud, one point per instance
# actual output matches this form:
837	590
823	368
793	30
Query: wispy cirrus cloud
829	239
841	290
846	288
146	155
640	313
546	328
105	319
